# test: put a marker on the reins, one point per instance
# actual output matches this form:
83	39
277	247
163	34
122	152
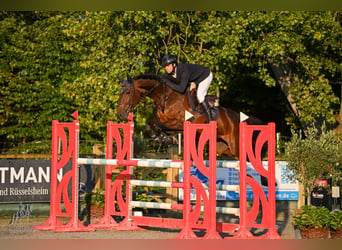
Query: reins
131	106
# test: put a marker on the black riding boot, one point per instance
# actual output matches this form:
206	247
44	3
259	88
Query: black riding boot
206	108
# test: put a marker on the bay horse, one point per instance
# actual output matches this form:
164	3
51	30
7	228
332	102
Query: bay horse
170	107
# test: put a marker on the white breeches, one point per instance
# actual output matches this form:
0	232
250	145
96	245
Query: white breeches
203	87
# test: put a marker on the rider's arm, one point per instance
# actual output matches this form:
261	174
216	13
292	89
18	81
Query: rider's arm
177	87
178	84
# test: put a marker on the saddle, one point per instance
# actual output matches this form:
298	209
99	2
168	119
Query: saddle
197	107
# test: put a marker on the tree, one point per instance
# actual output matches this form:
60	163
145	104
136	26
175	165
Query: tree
301	51
313	158
53	63
34	61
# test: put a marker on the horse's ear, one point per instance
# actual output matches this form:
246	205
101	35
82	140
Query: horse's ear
129	78
120	79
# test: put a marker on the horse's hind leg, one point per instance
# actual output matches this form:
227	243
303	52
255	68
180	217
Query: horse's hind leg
228	145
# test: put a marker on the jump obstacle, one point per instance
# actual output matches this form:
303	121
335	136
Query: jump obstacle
198	216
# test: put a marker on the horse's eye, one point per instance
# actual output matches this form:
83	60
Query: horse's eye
128	92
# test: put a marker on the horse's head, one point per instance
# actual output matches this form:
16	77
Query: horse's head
129	97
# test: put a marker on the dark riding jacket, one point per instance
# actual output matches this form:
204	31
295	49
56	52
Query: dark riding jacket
186	73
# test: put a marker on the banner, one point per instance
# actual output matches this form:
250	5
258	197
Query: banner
285	188
29	180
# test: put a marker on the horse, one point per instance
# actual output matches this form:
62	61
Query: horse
169	110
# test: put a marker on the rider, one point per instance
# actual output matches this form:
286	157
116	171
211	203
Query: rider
178	76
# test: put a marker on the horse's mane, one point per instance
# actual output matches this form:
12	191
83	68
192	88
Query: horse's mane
149	76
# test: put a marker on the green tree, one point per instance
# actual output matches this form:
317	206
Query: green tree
34	61
301	51
316	157
53	63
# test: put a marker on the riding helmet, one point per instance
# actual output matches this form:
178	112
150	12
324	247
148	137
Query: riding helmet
168	59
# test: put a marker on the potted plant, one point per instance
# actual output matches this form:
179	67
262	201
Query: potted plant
313	222
95	201
336	224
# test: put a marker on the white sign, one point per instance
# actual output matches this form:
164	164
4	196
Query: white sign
335	192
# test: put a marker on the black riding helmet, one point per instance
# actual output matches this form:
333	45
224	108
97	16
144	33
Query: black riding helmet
168	59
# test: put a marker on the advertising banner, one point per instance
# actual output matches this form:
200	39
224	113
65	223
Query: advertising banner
29	180
285	188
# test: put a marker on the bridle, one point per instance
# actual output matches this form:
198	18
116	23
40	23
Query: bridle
130	104
142	95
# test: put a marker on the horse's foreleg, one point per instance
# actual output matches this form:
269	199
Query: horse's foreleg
150	128
159	136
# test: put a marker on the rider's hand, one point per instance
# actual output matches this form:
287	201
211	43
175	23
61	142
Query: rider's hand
192	86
